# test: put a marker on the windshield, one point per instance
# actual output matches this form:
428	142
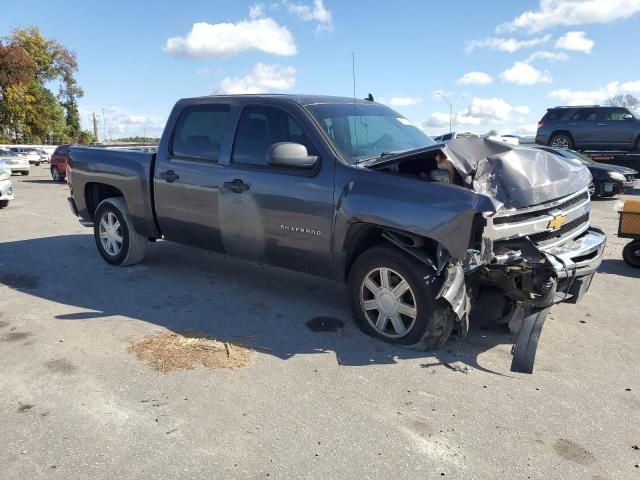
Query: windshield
360	132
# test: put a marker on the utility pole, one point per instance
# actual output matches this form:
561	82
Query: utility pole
95	126
104	127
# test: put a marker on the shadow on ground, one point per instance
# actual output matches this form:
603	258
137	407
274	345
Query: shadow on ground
183	289
618	267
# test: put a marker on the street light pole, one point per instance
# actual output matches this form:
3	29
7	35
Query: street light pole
450	110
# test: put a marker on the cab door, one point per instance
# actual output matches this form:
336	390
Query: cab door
276	215
188	177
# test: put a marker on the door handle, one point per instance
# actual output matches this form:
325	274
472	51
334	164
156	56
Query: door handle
237	186
169	176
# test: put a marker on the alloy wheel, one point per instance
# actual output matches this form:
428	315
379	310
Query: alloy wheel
110	232
560	142
388	302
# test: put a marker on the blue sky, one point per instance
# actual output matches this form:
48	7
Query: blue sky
500	63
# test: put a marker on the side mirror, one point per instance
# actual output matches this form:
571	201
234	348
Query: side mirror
292	155
627	116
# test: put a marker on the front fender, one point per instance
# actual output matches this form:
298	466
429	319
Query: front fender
441	212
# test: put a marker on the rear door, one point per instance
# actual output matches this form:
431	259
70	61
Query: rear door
583	126
188	176
276	215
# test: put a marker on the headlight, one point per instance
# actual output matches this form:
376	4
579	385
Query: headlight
616	176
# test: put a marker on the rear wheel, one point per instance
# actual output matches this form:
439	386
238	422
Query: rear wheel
631	254
561	141
393	298
116	239
4	203
56	175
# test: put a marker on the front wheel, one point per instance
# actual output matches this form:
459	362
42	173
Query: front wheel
116	239
593	190
631	254
393	298
4	203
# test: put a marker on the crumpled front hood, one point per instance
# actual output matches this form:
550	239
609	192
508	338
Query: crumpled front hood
515	176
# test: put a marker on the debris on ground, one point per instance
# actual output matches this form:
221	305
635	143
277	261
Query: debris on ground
170	351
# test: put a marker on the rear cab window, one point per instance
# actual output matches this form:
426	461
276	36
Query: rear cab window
199	133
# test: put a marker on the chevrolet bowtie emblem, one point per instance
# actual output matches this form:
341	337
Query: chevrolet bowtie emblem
557	222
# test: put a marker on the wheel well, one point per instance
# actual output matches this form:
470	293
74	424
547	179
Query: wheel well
94	193
561	132
362	237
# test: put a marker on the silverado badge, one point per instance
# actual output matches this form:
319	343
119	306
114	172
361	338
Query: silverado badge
557	222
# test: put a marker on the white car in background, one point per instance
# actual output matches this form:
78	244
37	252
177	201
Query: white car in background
32	154
16	163
6	187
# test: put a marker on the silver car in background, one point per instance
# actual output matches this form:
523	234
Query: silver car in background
31	154
6	187
17	163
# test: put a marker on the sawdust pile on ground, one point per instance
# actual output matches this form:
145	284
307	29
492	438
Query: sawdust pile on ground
169	351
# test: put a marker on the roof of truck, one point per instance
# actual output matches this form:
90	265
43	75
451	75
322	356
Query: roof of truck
300	99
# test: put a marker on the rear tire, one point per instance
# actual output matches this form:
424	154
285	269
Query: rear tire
432	321
116	239
56	175
561	141
631	254
4	203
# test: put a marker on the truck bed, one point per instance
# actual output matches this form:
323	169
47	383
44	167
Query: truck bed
130	172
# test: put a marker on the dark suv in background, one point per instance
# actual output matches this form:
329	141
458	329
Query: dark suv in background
589	127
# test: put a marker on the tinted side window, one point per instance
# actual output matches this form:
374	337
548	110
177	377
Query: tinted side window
259	128
585	114
554	115
615	114
199	132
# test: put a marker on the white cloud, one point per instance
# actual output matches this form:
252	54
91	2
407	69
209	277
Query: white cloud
577	41
522	109
552	13
119	122
261	79
521	73
526	130
594	97
437	120
505	44
256	11
544	55
495	110
316	12
203	72
219	40
400	101
475	78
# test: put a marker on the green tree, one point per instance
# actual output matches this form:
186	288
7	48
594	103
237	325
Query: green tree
42	62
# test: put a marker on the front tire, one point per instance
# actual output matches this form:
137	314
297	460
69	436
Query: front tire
393	298
631	254
561	141
116	239
593	190
4	203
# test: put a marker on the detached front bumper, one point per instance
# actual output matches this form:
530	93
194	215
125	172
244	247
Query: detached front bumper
6	190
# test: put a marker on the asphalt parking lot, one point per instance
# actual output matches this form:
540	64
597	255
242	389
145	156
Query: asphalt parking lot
76	403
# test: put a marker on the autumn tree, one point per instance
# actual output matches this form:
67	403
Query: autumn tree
30	66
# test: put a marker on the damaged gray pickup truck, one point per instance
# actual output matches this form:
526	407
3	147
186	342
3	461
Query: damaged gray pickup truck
428	237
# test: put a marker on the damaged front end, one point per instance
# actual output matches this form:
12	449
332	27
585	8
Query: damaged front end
536	248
